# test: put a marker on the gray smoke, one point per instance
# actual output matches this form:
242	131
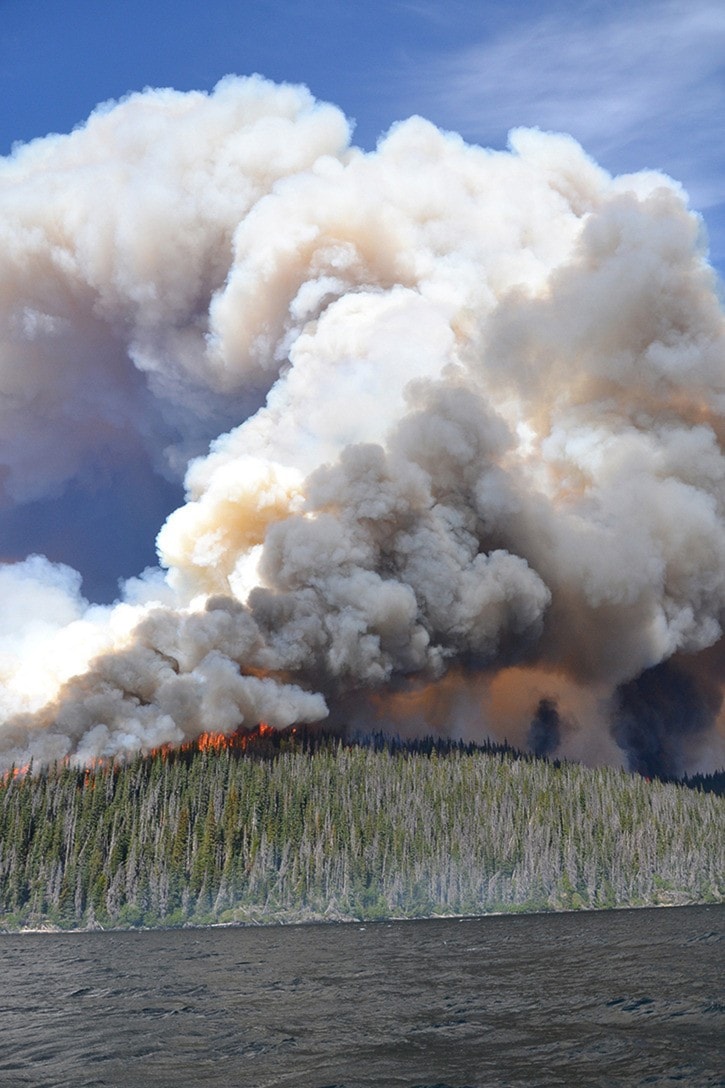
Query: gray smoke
478	402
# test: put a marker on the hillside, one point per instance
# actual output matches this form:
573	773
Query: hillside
287	831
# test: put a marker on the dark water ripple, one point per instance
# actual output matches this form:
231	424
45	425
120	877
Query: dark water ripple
629	998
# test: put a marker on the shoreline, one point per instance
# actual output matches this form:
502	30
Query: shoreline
342	921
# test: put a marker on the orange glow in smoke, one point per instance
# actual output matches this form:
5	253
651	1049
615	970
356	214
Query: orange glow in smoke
422	708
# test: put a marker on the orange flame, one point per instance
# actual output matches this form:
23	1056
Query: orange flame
238	741
15	773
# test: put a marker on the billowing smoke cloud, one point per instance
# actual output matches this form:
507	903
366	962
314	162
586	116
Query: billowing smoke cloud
476	404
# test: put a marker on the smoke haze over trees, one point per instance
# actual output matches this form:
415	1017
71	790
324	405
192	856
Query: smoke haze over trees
466	420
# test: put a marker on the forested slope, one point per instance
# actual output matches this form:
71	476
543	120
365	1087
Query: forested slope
345	832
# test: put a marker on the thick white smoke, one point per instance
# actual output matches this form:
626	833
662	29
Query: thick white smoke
479	400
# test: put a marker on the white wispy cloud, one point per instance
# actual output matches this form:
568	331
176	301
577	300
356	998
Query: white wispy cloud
638	86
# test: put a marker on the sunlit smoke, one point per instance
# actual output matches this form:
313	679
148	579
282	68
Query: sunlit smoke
468	409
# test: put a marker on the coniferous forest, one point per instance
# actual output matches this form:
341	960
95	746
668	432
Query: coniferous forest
292	830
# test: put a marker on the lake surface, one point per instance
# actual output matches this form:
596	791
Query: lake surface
618	999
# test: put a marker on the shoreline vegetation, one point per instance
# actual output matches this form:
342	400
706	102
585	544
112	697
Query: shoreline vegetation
272	923
307	828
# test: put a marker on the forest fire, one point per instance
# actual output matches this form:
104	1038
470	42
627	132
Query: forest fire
14	773
449	472
239	741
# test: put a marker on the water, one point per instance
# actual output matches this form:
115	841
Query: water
625	998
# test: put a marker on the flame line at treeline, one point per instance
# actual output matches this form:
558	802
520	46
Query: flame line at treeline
238	741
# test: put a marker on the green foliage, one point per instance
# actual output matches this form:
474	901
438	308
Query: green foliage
386	830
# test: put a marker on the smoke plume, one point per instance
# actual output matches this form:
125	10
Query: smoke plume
466	411
545	728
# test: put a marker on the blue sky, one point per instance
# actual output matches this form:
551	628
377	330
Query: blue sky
640	84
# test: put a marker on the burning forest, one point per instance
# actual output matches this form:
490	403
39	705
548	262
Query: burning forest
450	423
270	827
